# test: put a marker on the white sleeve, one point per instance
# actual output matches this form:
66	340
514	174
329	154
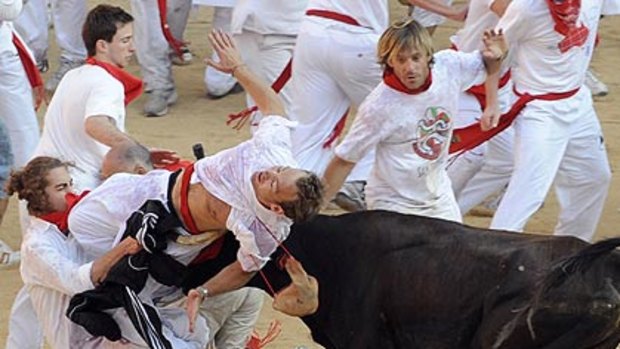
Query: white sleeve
10	9
93	231
274	131
106	98
256	244
44	264
368	129
512	22
467	67
611	7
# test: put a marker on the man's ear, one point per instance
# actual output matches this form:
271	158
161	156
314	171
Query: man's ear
101	46
139	169
276	208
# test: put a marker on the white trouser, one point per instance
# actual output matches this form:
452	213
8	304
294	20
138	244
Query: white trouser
231	317
24	329
493	175
17	108
68	17
428	18
152	49
466	165
267	55
548	147
334	67
216	82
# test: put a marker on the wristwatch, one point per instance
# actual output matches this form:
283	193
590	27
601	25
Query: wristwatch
203	292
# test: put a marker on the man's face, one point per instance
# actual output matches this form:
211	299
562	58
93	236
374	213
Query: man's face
120	50
411	67
276	185
59	184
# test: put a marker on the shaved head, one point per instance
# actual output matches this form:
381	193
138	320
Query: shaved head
127	157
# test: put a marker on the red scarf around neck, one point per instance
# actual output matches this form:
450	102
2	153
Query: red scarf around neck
565	14
390	79
60	218
131	84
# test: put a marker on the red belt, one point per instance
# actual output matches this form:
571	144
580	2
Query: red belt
471	136
333	15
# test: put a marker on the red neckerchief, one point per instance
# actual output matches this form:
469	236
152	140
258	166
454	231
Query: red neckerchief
59	218
186	215
33	74
565	14
390	79
131	84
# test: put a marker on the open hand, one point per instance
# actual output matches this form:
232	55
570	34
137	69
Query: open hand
194	299
224	46
495	45
163	157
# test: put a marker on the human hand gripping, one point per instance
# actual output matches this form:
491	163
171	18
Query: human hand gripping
163	157
495	45
229	56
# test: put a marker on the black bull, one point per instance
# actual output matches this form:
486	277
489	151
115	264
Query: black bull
395	281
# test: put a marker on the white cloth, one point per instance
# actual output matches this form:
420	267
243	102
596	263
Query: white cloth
411	135
479	18
16	106
429	18
371	14
560	139
540	66
266	32
611	7
280	17
334	68
227	176
10	9
68	17
84	92
53	269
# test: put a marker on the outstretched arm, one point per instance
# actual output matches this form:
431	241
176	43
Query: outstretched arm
230	61
451	12
493	54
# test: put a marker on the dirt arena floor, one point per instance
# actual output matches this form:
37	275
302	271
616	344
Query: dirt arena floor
196	118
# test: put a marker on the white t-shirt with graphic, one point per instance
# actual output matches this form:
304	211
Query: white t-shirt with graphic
411	135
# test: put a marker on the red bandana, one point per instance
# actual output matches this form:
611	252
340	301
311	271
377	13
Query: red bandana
390	79
131	84
60	218
565	14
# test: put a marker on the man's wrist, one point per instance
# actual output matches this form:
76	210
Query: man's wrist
236	67
203	292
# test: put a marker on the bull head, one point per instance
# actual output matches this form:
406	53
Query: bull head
301	297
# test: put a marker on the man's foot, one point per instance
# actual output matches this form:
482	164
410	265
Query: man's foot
158	102
186	54
596	86
43	65
65	66
351	196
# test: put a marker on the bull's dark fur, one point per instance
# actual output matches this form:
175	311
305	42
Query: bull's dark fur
395	281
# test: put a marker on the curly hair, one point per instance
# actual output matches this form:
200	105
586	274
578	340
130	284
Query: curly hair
310	192
29	183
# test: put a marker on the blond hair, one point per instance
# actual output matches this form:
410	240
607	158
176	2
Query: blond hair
403	35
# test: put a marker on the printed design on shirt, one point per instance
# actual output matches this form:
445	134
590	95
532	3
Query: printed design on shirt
432	133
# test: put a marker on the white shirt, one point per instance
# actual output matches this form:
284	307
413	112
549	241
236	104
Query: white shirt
372	14
54	268
611	7
479	18
227	176
83	92
10	9
538	66
281	17
411	135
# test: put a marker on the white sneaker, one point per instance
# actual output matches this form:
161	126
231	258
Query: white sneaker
596	86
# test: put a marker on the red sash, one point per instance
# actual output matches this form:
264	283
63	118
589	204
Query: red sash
131	84
565	14
479	91
60	218
165	28
339	17
32	72
471	136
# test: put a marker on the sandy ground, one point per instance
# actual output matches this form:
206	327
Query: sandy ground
197	118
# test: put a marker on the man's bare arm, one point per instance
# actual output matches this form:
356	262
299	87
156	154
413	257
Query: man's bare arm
451	12
335	174
102	129
499	6
102	265
267	101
